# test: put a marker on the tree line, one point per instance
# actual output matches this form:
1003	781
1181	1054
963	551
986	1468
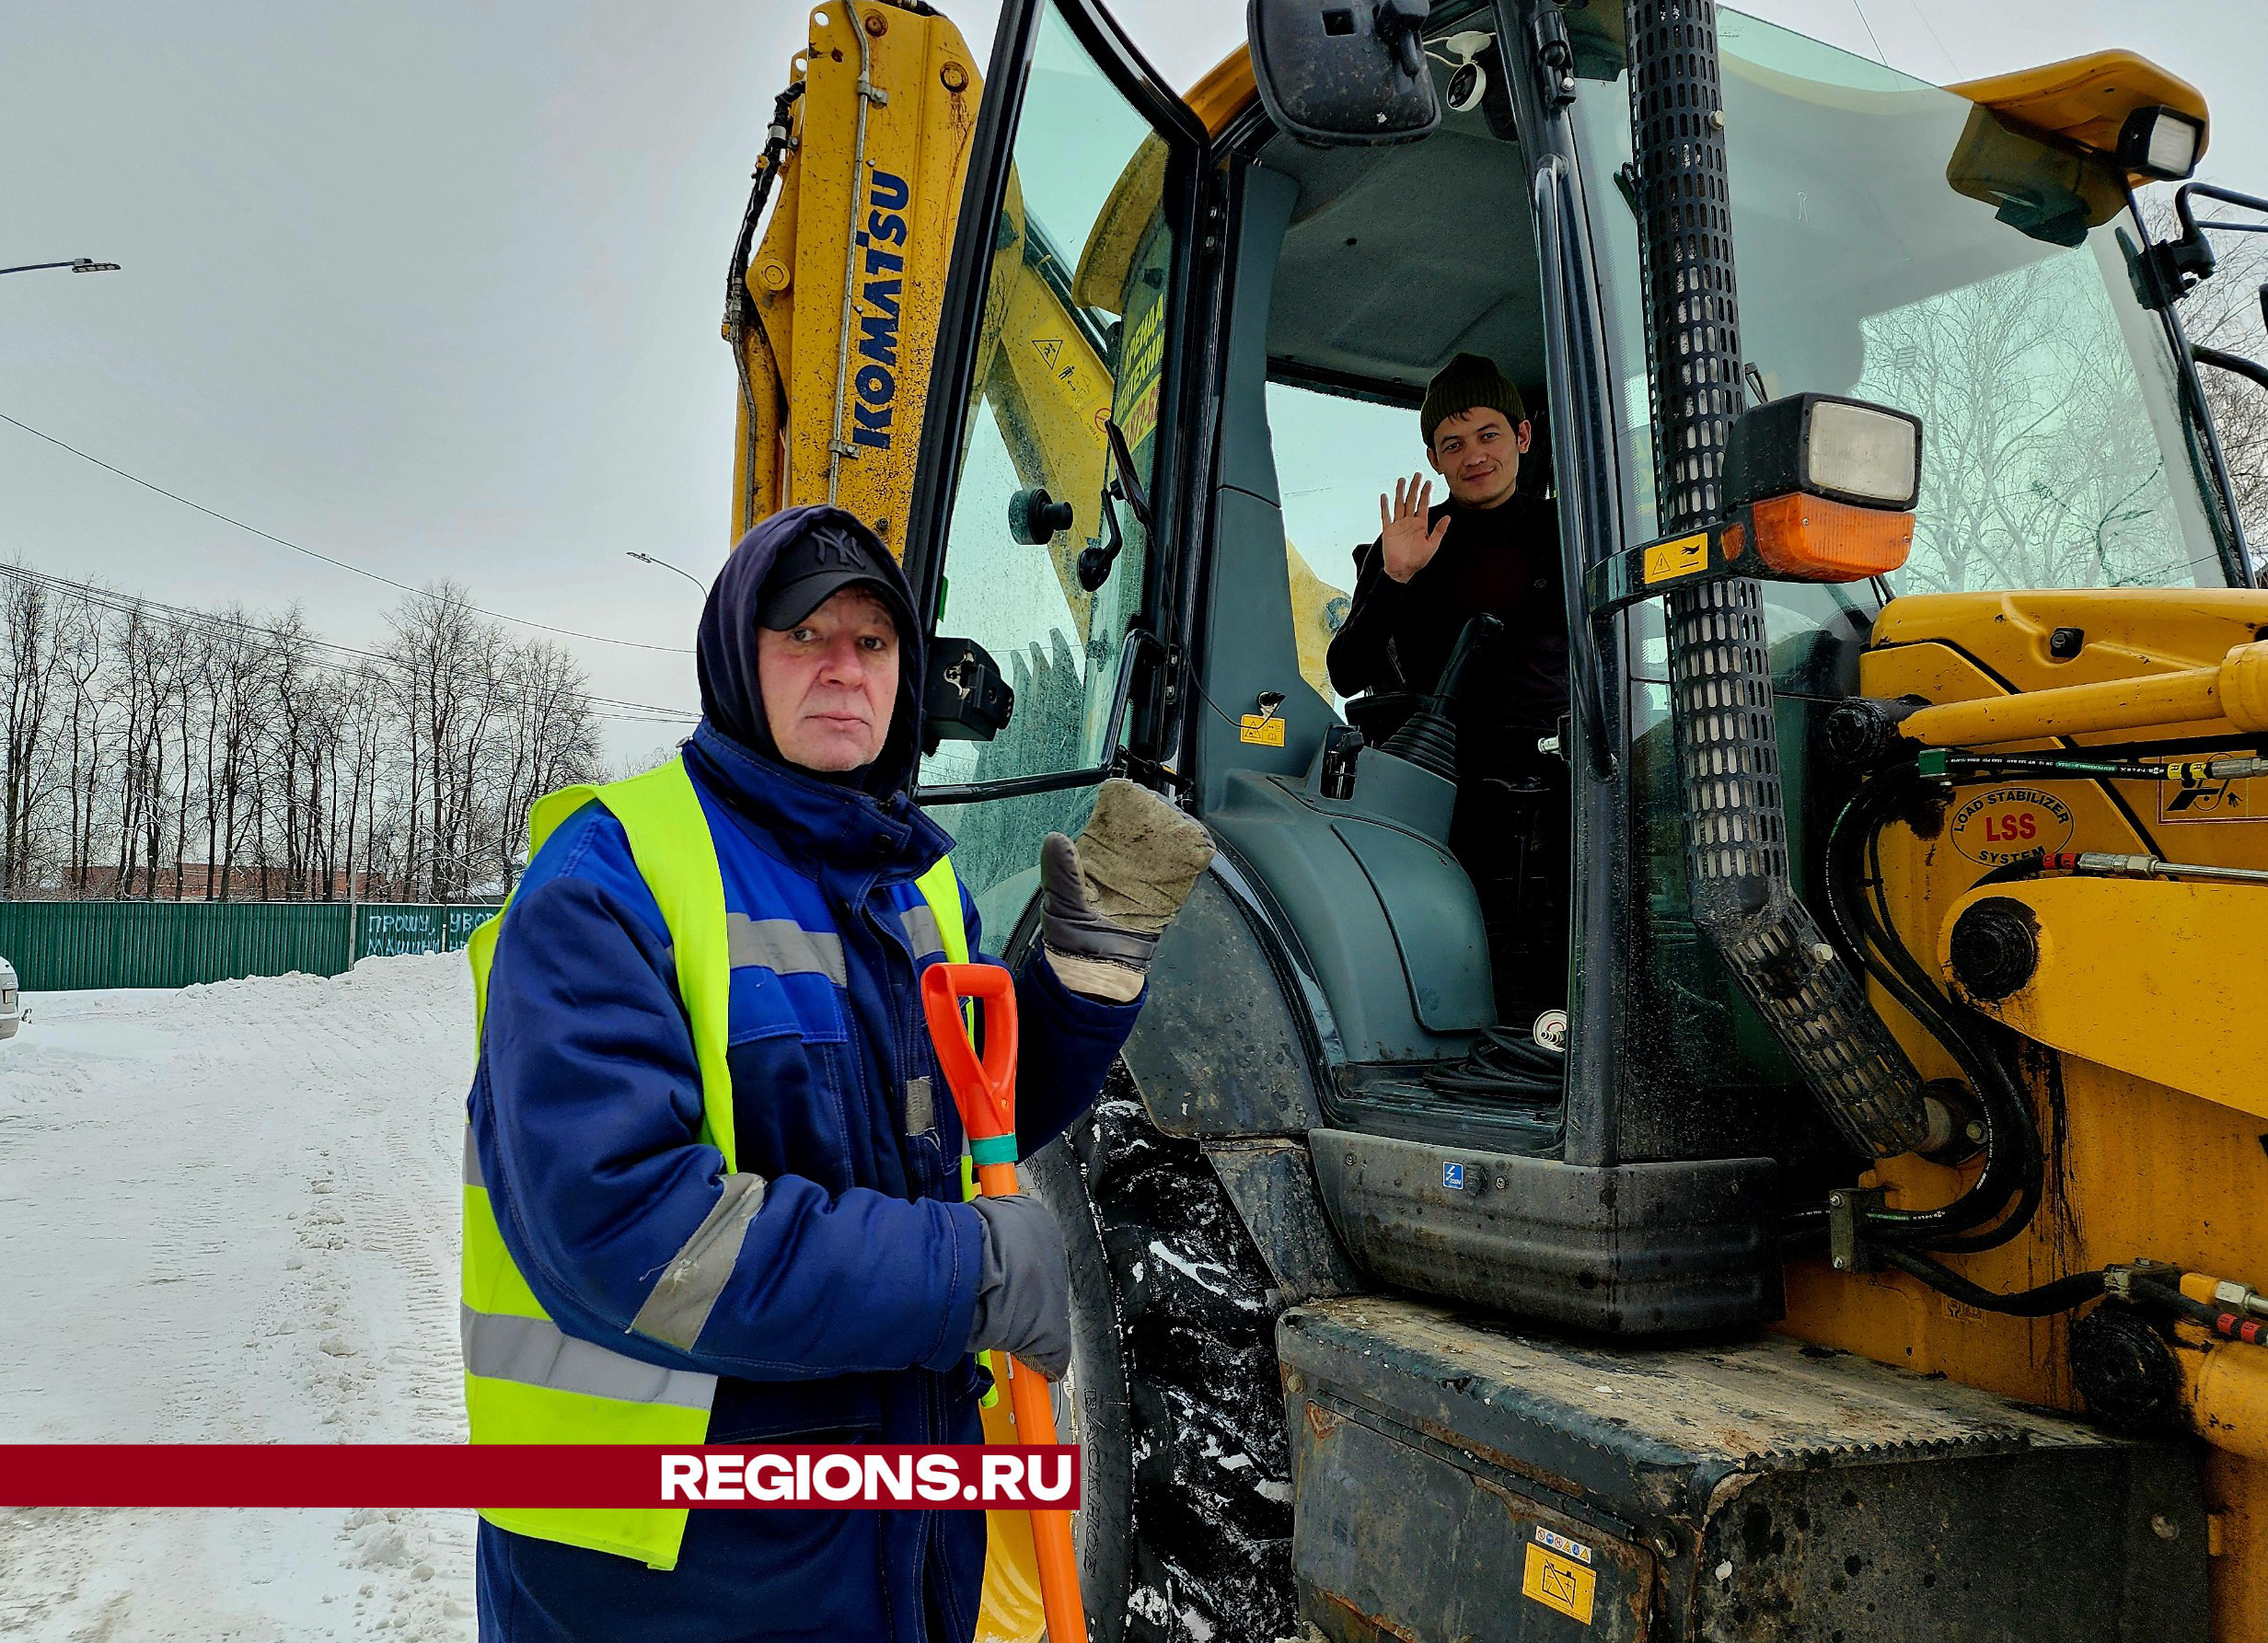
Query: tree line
2044	464
156	752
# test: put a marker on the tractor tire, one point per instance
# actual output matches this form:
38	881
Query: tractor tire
1184	1532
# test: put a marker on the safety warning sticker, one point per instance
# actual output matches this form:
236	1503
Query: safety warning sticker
2194	796
2003	823
1666	561
1559	1583
1560	1542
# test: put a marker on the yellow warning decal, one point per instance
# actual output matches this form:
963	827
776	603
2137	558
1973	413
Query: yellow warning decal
1666	561
1559	1583
1264	730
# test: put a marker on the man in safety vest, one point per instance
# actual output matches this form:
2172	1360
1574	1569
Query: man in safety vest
713	1170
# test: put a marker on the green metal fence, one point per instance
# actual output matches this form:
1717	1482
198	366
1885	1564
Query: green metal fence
59	946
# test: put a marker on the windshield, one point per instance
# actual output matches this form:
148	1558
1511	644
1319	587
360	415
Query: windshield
1893	242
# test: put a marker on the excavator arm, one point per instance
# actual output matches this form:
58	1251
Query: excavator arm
832	315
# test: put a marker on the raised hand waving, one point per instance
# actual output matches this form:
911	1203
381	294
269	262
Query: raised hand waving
1403	537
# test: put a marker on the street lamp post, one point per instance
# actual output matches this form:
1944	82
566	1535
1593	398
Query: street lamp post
649	560
77	265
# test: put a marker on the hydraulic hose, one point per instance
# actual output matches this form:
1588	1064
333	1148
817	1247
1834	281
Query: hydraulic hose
2046	1300
767	172
2011	1138
1505	1064
2014	1169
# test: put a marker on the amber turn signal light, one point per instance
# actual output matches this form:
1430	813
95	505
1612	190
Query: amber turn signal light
1811	538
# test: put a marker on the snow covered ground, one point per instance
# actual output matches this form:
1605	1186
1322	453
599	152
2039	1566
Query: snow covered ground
229	1214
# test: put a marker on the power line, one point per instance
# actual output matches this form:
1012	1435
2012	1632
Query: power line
1861	10
599	707
1942	49
637	644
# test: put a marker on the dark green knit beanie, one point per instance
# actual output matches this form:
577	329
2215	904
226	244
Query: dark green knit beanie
1469	382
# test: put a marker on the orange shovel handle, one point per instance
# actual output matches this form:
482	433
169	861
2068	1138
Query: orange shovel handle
985	1091
1029	1402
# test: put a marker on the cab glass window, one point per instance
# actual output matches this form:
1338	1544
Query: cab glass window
1335	456
1895	243
1068	370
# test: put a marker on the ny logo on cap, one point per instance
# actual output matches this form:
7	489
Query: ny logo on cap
836	547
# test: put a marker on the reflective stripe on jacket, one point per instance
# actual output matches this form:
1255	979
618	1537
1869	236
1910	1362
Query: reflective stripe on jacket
527	1380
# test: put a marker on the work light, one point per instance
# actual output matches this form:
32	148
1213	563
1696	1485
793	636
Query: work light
1822	489
2160	143
1845	450
1816	489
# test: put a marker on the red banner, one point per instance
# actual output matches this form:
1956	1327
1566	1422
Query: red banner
849	1476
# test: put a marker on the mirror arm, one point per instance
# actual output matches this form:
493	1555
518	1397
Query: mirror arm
1128	486
2237	363
1094	562
2179	265
1401	24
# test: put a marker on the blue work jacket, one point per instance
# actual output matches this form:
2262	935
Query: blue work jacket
847	1314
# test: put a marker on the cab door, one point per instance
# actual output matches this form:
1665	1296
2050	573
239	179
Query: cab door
1050	460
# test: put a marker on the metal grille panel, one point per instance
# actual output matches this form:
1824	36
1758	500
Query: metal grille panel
1720	673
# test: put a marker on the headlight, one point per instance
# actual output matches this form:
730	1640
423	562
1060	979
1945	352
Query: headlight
1846	450
1864	453
2158	142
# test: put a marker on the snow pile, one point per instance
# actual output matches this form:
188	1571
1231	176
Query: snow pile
229	1214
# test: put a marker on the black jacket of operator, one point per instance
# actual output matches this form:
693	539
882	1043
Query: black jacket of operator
1504	561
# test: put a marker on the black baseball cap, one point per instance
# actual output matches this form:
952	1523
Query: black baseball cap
832	552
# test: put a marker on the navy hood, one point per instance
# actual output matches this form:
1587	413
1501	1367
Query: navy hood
731	701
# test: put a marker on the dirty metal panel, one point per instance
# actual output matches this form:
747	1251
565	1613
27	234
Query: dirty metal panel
2103	1544
1272	1184
1635	1249
1216	1051
1392	1542
1787	1494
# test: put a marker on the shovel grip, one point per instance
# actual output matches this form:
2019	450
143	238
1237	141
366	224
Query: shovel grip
983	1091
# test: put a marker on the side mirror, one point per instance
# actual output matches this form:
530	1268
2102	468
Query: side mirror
964	698
1334	73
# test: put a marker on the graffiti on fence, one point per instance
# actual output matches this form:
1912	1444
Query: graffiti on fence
388	931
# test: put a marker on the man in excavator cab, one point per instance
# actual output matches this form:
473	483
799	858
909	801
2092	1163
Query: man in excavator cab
1490	549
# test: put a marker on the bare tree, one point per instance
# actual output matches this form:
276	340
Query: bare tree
2226	312
131	728
550	741
2043	468
31	629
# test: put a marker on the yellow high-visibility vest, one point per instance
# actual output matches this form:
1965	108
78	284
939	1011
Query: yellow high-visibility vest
526	1380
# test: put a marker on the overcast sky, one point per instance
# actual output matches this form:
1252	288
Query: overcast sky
433	288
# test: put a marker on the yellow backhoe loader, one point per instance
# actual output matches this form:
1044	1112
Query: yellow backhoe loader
1862	1245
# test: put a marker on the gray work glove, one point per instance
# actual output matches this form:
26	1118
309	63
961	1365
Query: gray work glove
1110	895
1024	1300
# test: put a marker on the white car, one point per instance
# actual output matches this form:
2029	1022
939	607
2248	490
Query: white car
11	1001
